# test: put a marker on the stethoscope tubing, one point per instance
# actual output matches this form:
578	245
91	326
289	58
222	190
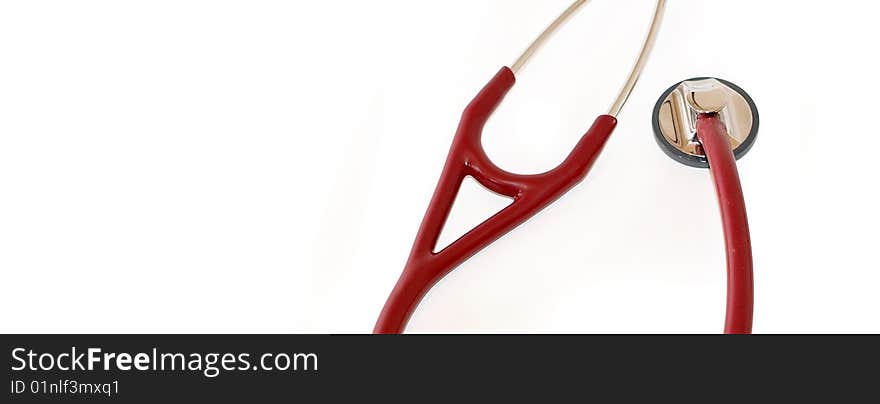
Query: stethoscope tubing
712	134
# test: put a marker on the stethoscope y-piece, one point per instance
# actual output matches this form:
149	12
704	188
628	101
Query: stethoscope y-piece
530	193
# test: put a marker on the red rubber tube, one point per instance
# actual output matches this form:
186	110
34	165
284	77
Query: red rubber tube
712	134
530	193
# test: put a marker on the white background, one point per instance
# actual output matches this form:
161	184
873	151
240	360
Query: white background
238	166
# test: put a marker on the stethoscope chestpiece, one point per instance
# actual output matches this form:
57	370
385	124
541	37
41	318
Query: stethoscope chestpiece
675	118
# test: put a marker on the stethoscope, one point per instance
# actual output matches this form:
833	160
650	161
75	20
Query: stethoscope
700	122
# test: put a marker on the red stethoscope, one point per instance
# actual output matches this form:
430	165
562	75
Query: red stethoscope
692	123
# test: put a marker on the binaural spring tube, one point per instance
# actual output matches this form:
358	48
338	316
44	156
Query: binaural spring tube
637	69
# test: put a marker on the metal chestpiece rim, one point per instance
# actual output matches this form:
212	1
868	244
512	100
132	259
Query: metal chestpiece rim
675	114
